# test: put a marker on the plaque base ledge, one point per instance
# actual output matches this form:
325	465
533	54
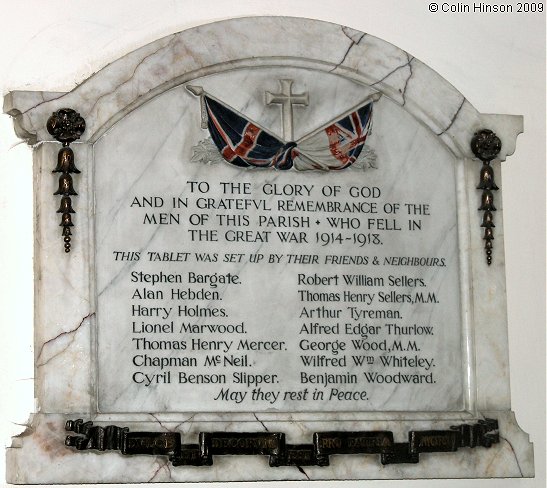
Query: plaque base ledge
39	455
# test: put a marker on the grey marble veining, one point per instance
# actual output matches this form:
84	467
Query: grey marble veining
142	125
172	60
409	161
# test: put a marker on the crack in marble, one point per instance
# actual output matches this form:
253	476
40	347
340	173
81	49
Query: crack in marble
184	421
155	473
344	31
174	429
42	102
514	454
403	93
452	120
268	430
159	422
353	43
169	472
128	79
166	466
301	469
261	423
71	332
409	60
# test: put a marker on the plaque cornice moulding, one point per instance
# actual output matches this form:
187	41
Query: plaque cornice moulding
137	77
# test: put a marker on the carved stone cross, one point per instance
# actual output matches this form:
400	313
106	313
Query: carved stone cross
287	99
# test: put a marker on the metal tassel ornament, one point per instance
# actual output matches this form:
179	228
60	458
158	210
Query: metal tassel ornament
66	125
66	206
65	161
486	146
66	186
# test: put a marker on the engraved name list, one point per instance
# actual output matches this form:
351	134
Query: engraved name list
355	275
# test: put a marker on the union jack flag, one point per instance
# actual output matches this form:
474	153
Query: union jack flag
243	143
339	144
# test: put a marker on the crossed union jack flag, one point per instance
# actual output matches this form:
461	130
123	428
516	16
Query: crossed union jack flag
243	143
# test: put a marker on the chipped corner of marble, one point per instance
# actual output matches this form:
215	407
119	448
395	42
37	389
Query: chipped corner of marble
507	128
19	104
517	444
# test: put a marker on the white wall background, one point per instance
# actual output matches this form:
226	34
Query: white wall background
496	60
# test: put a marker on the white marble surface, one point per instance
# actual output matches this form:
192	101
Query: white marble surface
64	348
143	73
412	168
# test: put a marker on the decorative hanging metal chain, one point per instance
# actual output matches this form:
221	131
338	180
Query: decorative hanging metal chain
486	146
66	125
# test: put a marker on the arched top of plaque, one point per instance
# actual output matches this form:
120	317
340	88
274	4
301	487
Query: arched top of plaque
123	85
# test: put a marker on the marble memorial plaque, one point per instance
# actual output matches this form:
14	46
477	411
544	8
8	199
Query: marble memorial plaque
270	253
250	289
